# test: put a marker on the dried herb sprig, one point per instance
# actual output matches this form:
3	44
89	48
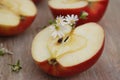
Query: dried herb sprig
16	67
4	50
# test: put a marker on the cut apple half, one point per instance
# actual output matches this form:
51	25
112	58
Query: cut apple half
67	3
87	10
78	51
70	4
8	18
12	11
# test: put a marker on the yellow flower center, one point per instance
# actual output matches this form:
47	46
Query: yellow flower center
57	28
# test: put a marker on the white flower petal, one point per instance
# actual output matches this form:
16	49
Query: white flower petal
60	34
54	34
72	16
52	28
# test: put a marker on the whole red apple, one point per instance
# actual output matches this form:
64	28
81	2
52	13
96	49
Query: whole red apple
79	52
87	10
16	16
35	1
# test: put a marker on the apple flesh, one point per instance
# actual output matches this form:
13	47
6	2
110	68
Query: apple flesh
74	54
94	8
16	16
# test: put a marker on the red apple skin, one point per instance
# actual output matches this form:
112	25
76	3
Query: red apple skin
12	31
95	10
36	1
60	71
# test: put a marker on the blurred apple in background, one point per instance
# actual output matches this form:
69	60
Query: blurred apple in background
87	10
36	1
70	55
16	16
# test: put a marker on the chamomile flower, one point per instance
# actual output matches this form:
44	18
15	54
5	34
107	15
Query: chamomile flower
63	25
71	20
60	20
59	30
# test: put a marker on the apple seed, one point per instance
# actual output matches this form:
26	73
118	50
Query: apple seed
60	40
66	38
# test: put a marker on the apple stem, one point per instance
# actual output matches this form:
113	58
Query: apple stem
22	18
52	61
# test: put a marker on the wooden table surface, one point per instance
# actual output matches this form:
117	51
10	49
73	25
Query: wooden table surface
107	67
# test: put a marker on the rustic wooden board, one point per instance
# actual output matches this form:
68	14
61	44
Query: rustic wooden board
107	67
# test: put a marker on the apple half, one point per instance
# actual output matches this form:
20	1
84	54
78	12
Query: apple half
16	16
95	9
70	55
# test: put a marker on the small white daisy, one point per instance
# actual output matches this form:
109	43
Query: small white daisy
71	20
63	25
60	20
57	30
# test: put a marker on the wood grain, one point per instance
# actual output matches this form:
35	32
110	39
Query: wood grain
107	67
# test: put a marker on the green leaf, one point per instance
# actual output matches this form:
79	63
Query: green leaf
18	63
43	27
1	53
84	15
51	21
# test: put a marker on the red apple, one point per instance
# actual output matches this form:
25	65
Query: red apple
81	50
95	9
16	16
35	1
